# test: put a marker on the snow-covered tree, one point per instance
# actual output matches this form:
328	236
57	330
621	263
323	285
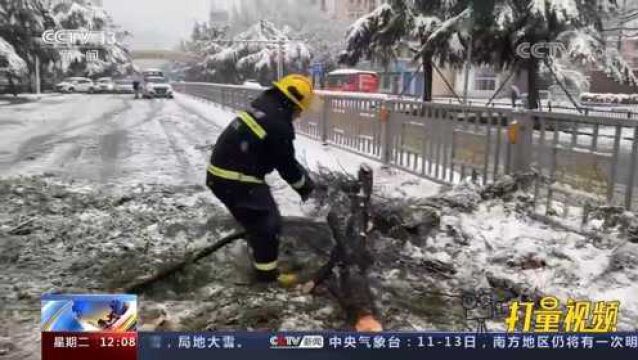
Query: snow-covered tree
204	44
435	32
259	60
10	62
83	15
300	19
441	31
575	23
22	22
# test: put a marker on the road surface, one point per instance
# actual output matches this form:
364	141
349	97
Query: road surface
106	139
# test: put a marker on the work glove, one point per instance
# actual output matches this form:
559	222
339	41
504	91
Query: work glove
306	190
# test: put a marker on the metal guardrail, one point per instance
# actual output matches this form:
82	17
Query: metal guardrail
586	160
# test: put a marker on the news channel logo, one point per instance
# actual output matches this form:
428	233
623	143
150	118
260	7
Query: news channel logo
74	38
88	313
291	341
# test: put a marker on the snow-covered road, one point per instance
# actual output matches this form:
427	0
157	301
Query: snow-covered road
105	138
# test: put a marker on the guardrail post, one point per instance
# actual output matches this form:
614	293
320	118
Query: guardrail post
520	136
223	98
386	131
324	120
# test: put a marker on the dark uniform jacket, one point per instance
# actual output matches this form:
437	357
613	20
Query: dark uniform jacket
239	149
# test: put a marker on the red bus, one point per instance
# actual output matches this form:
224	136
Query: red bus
353	80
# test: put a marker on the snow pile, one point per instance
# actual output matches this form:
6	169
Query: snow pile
473	237
608	98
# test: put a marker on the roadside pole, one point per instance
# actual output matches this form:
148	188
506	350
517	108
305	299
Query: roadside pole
280	60
37	75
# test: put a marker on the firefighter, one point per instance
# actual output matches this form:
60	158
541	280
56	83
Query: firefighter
258	141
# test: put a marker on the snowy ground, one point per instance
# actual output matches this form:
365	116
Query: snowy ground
123	197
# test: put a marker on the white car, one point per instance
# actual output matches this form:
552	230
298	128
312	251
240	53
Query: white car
152	73
253	84
76	84
104	85
156	86
123	86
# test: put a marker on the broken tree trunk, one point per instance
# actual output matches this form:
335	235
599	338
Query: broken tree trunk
347	270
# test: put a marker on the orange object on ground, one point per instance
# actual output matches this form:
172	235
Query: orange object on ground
512	132
368	323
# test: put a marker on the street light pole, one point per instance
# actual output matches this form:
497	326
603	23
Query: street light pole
280	60
37	75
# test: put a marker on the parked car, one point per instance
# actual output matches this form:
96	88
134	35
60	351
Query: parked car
156	86
76	84
254	84
123	86
104	85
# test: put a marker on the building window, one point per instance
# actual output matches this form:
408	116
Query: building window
485	83
485	79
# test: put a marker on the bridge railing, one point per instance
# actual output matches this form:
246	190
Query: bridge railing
585	161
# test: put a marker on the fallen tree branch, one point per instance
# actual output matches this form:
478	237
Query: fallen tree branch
144	283
15	230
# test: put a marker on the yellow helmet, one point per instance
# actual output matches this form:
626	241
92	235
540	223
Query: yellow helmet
297	88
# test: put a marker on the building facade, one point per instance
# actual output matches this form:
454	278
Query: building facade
348	9
218	13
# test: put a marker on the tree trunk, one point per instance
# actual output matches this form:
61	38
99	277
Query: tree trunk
532	83
428	73
12	86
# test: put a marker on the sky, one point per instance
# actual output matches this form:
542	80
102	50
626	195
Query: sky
159	24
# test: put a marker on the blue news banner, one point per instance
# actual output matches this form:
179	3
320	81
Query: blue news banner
388	345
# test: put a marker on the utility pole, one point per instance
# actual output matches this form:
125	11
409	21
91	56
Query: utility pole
280	59
37	75
468	67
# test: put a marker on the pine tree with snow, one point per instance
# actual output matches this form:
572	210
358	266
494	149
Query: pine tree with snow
434	31
298	19
83	15
11	63
22	22
259	60
204	45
